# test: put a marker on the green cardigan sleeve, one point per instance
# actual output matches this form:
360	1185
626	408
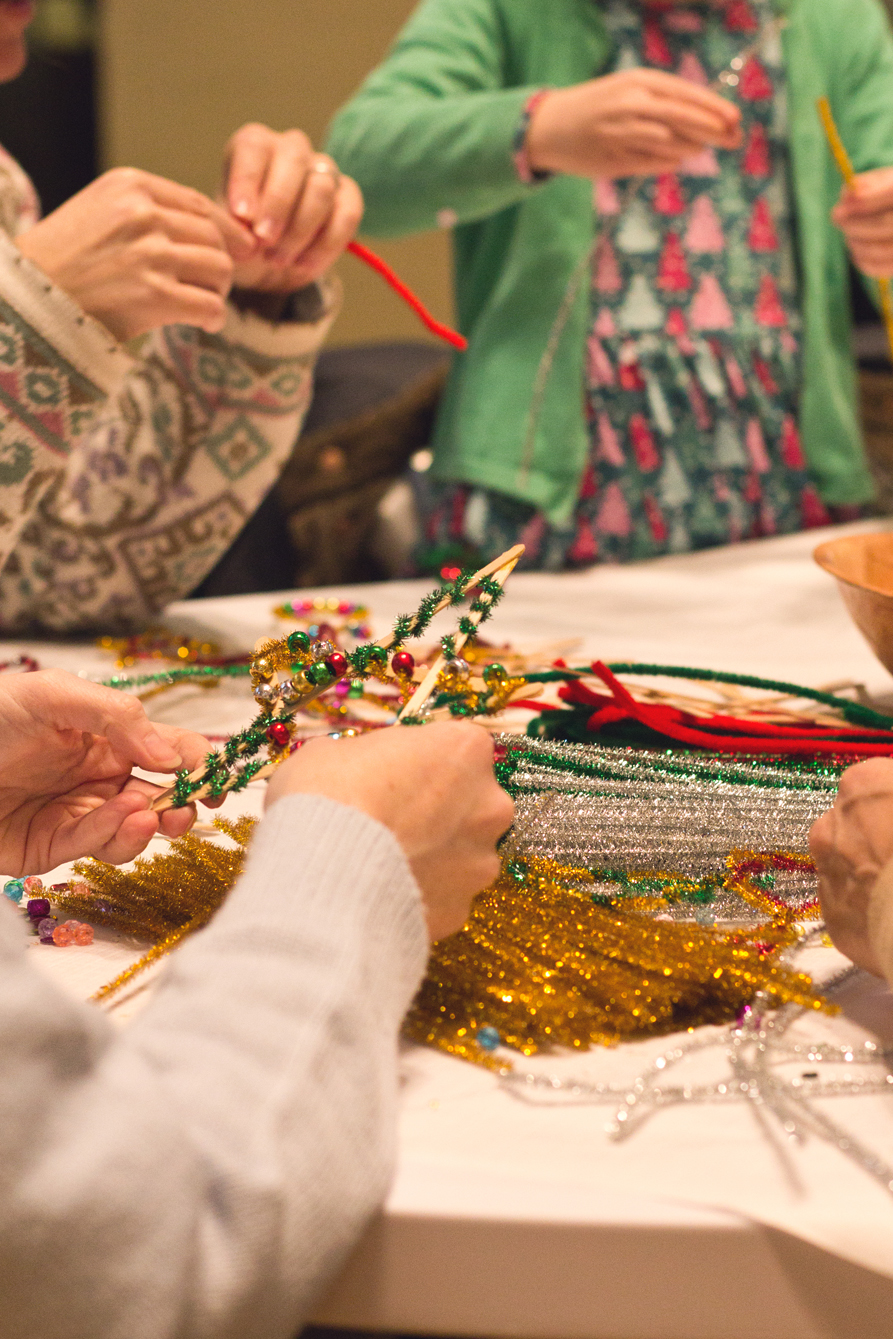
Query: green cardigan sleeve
431	130
859	49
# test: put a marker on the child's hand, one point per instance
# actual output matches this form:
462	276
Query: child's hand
864	214
635	123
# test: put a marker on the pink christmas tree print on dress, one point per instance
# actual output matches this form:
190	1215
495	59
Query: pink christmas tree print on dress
533	534
756	154
813	511
756	446
668	196
655	518
607	271
585	546
764	374
672	269
768	310
702	164
791	448
588	486
754	84
710	309
691	69
604	326
677	327
761	235
736	377
683	21
655	50
605	197
699	407
613	515
644	447
740	18
704	236
601	373
609	448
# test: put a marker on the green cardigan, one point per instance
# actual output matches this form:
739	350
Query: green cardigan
429	139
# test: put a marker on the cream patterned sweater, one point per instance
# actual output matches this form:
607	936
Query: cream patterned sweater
124	479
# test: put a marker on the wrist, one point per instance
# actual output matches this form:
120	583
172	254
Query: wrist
527	146
300	306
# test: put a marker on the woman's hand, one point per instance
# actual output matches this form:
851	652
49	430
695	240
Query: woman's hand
851	844
434	787
864	214
635	123
67	750
139	252
296	203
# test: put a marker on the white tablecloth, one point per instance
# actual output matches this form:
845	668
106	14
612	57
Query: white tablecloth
517	1220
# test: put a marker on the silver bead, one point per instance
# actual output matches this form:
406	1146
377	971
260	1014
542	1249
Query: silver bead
320	649
458	666
265	692
290	692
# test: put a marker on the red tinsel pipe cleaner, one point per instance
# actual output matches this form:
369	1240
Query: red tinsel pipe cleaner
405	292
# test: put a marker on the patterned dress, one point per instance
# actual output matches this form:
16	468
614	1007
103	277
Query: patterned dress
692	367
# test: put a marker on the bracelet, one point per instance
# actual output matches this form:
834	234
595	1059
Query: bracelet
528	174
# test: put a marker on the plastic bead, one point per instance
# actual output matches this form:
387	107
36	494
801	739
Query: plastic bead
291	691
265	692
38	908
402	663
337	664
63	935
13	889
494	674
83	935
278	734
319	674
356	689
488	1038
458	666
33	885
262	667
376	655
45	929
80	889
298	643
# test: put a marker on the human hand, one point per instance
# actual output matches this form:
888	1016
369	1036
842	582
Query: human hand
299	207
850	844
434	787
67	748
864	213
139	252
635	123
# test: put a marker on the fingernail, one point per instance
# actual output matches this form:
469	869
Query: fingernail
264	229
242	209
161	752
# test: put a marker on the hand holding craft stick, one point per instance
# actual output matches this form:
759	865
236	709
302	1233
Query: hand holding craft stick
845	167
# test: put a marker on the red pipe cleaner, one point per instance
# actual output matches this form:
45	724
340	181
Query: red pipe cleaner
402	290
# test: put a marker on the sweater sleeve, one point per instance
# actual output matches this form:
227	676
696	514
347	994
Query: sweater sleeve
124	479
429	136
205	1171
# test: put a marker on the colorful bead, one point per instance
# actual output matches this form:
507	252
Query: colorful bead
80	889
278	734
63	935
83	935
262	668
337	663
265	692
13	889
376	655
46	928
38	908
298	643
488	1038
33	885
319	674
403	663
291	691
458	666
494	674
356	689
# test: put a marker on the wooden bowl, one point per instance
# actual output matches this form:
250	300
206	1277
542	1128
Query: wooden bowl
862	565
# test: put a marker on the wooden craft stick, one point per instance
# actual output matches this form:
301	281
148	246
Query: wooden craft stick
845	168
500	568
500	573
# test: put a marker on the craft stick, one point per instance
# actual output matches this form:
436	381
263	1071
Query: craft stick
505	563
845	167
508	562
